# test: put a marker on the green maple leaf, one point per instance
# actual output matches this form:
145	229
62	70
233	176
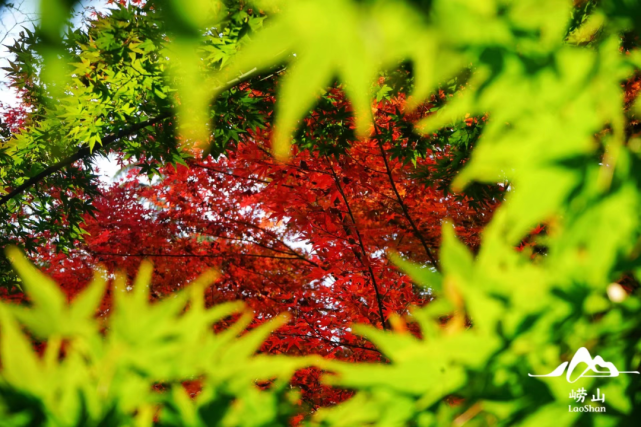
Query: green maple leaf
332	38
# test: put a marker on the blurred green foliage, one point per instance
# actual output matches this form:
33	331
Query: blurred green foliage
548	75
99	372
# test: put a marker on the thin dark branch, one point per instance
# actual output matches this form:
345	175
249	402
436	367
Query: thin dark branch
330	342
78	155
238	176
405	210
379	300
145	255
274	236
290	250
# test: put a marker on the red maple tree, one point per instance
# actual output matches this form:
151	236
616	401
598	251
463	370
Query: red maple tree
309	236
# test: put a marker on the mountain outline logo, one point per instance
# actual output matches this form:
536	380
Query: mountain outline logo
583	355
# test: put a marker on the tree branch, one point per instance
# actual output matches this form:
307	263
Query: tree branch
379	300
145	255
274	236
262	181
405	210
329	341
78	155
